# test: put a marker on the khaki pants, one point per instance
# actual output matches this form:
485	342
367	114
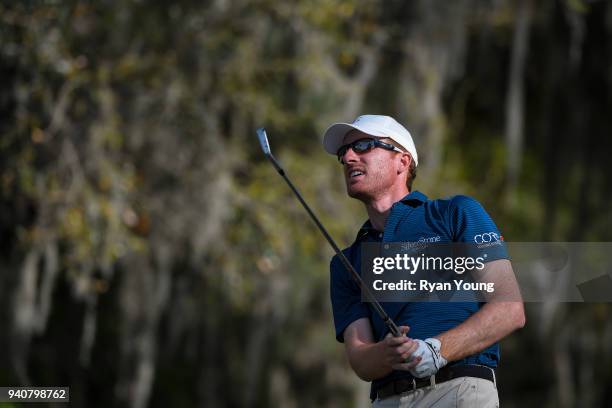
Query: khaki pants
462	392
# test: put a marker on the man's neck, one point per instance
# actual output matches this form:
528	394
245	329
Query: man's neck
378	209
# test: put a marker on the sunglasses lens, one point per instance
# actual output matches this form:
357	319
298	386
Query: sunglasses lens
361	146
342	151
358	146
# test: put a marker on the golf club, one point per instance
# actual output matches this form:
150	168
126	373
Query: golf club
265	146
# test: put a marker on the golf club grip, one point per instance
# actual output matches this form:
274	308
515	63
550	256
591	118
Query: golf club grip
395	331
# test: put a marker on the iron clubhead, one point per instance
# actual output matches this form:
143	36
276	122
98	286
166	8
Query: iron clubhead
263	141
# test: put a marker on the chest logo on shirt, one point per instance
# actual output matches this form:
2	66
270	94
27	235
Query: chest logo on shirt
430	239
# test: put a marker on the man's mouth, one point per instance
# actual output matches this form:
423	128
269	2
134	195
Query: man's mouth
355	174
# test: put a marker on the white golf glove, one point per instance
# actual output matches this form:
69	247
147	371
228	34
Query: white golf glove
431	359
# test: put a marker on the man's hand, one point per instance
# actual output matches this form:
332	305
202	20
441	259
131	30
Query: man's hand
372	360
428	357
398	350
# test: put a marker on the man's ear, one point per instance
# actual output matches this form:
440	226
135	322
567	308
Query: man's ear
404	163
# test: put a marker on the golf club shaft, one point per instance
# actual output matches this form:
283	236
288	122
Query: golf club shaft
379	309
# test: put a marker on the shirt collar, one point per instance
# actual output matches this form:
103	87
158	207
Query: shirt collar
413	199
365	230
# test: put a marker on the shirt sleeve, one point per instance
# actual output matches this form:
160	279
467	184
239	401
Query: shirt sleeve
470	223
345	298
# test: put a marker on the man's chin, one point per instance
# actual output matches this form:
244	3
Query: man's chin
356	193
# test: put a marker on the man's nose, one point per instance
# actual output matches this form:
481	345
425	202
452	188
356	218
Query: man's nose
349	155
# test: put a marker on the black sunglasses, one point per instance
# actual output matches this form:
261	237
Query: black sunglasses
364	145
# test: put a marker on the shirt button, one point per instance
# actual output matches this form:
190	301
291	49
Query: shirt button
380	235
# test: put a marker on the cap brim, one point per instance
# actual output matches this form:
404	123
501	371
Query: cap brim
334	136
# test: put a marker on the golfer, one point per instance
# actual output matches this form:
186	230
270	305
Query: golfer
449	351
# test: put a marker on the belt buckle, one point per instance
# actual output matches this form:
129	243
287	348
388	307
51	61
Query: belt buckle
414	385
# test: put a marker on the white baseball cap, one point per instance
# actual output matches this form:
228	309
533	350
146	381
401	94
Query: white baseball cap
373	125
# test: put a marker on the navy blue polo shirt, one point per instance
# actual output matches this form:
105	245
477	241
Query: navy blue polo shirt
416	218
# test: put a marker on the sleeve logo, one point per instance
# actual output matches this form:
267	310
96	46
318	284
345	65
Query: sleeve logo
487	237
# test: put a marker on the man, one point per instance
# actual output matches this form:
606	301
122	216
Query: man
449	351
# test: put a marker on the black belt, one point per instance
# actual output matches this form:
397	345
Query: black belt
445	374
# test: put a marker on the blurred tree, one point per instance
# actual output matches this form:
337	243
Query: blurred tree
150	257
